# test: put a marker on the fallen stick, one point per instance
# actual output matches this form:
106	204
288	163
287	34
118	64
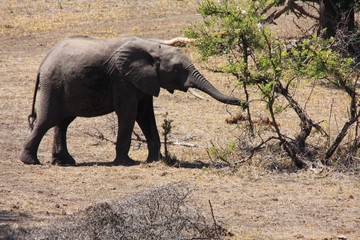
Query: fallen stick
101	137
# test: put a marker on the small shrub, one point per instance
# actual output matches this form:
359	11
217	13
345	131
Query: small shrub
166	126
160	213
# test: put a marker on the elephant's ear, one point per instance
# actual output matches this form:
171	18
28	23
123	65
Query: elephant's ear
137	65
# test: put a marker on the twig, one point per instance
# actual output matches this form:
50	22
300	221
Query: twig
209	155
183	144
330	114
219	155
100	136
308	98
340	136
213	217
138	138
298	10
256	148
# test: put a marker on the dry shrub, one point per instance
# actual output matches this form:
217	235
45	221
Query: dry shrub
160	213
8	233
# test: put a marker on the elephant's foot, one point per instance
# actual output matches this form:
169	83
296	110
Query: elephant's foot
155	158
125	161
150	160
28	158
64	159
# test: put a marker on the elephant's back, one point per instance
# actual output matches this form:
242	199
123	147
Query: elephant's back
79	49
82	50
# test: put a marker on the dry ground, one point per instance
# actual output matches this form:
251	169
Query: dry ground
252	203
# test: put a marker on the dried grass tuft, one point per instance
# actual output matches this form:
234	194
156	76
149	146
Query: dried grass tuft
160	213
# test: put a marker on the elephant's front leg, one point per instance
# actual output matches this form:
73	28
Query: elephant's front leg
60	153
146	120
126	113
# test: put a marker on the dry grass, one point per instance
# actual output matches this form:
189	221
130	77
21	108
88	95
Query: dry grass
253	202
36	17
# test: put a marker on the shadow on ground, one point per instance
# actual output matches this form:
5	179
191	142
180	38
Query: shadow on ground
8	218
174	163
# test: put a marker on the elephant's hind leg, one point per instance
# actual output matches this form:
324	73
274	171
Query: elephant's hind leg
60	153
29	153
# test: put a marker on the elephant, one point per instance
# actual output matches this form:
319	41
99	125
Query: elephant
83	76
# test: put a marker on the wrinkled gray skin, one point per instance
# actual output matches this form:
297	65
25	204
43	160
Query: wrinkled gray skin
88	77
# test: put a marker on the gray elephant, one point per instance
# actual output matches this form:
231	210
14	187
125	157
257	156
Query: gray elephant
87	77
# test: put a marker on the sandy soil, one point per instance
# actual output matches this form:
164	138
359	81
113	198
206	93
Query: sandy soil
251	203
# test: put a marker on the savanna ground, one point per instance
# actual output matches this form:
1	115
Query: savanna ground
252	203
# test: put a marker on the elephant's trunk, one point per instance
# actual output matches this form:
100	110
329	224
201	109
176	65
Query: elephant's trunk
196	80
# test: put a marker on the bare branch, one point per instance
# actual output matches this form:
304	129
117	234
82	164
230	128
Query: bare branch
214	220
303	12
99	135
293	6
138	138
182	143
340	136
255	149
276	14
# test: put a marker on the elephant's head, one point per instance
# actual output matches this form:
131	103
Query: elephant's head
150	65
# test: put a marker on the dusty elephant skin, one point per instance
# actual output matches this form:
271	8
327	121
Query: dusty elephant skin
88	77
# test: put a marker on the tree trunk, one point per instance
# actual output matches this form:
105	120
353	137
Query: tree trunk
334	15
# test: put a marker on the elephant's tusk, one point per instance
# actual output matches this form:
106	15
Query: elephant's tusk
194	93
179	42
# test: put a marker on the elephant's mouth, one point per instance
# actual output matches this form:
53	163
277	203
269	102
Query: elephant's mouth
179	89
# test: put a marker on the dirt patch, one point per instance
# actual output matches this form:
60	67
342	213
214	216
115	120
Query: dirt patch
252	203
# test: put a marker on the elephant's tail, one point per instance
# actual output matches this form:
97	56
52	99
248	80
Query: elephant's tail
32	116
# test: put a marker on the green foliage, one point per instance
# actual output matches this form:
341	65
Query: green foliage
233	30
223	154
314	59
226	25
